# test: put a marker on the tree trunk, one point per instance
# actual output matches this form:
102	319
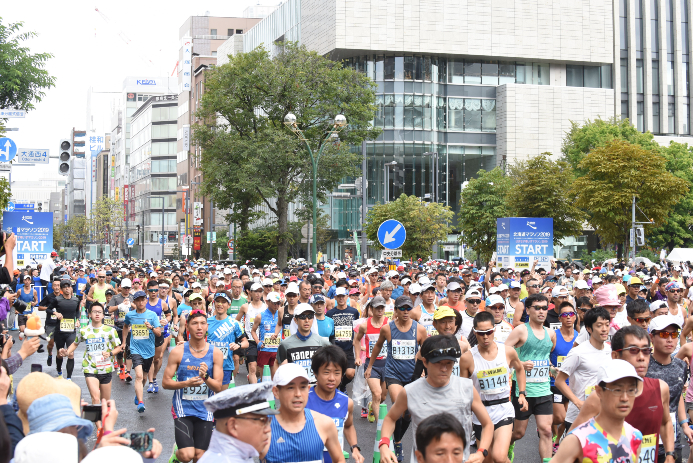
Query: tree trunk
283	226
619	251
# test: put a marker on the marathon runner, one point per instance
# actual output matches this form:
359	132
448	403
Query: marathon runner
66	310
161	309
248	312
300	347
496	307
427	309
472	300
264	333
226	334
118	307
324	324
51	319
344	318
29	296
565	338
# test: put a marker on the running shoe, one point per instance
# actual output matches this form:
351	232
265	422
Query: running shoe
69	379
136	400
399	451
150	389
140	407
156	387
49	360
121	373
371	414
511	452
60	374
128	378
364	413
555	448
173	458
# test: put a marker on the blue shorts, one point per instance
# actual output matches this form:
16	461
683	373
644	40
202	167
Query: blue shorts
228	374
378	370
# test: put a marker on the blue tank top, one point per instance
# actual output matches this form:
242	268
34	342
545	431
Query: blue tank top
28	298
268	323
305	446
561	350
158	310
189	401
337	409
401	353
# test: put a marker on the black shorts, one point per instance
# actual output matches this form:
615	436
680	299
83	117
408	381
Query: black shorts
500	424
391	381
146	363
128	354
558	397
251	352
50	330
378	369
104	378
537	406
63	339
191	431
351	360
21	319
159	341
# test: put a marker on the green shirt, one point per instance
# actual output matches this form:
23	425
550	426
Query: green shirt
537	351
98	340
236	305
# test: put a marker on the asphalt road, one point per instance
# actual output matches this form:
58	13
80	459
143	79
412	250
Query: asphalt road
158	412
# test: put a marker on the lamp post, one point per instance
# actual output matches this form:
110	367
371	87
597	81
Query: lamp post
386	169
339	123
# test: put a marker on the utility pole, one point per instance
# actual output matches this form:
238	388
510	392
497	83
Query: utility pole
632	233
211	226
364	203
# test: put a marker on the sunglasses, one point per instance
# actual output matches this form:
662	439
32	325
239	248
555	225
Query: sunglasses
405	309
485	333
317	287
414	294
496	307
474	301
567	314
153	290
635	350
536	307
643	320
667	334
676	291
305	316
497	279
533	286
447	352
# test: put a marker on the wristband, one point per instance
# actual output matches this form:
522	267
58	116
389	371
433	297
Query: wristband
682	422
105	433
384	441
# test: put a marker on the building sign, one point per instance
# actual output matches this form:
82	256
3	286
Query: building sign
186	138
166	98
146	81
197	214
186	65
34	232
117	194
522	240
197	238
126	198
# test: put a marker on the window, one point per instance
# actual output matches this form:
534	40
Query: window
214	53
653	25
229	32
488	116
655	118
624	75
239	31
638	25
640	121
623	23
389	71
506	73
489	73
670	78
456	73
213	32
655	78
672	121
686	119
638	76
472	115
573	76
472	73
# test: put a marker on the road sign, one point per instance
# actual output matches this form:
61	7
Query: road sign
8	149
391	234
389	254
130	242
24	207
32	155
12	113
162	239
10	207
230	244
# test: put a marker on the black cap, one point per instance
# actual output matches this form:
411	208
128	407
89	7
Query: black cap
440	347
403	301
64	283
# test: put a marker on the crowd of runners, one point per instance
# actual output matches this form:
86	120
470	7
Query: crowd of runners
599	356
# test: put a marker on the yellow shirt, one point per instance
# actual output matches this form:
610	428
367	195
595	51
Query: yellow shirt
523	291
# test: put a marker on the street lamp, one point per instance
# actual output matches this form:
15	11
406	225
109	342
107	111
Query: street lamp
386	170
339	123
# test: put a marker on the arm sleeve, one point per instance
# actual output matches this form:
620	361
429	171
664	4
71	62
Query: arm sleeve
281	353
14	362
14	426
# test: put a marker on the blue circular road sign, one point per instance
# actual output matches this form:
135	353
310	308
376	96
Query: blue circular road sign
392	234
131	241
8	149
10	207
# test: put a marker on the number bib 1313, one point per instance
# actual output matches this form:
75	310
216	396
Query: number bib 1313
403	349
539	373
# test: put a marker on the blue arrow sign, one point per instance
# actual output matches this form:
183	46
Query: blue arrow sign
391	234
162	240
10	207
8	149
131	241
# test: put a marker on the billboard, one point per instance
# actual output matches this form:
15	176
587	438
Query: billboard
522	240
34	232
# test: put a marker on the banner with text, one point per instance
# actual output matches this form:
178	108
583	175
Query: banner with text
34	232
522	240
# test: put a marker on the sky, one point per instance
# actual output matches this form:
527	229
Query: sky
135	38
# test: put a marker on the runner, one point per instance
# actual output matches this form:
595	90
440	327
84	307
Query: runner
160	308
607	298
344	318
264	333
488	365
404	337
472	300
371	329
29	296
286	312
300	347
440	438
324	324
513	303
328	365
639	313
98	291
97	364
66	310
226	334
145	329
435	394
117	308
250	311
386	288
51	319
595	441
197	380
427	309
534	343
300	434
496	307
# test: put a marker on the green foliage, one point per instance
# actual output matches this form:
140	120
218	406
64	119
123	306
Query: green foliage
542	187
59	230
616	172
648	253
77	233
250	157
580	140
599	256
258	243
23	75
483	201
5	192
107	219
425	223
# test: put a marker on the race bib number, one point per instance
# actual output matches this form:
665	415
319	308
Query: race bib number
588	391
456	368
555	326
269	342
223	347
123	311
371	345
96	345
108	321
140	332
431	331
286	333
343	334
196	392
493	381
502	333
559	360
81	286
390	313
403	349
67	325
540	372
648	449
307	365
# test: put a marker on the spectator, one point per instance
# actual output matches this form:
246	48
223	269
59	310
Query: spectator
11	425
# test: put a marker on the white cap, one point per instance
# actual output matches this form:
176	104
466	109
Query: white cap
267	282
392	273
340	292
558	289
426	287
581	284
125	283
473	294
661	322
596	280
303	307
453	286
494	290
288	372
196	285
274	296
502	287
373	270
228	271
341	276
415	288
292	288
515	284
614	369
153	275
255	286
423	281
656	305
494	299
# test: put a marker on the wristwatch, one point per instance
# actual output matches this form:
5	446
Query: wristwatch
484	452
670	454
206	376
355	446
522	393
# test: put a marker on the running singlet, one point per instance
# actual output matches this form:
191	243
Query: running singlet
502	332
537	351
598	446
492	381
250	318
159	311
100	294
427	320
401	353
189	401
647	416
337	409
390	310
372	334
286	322
559	354
268	323
221	333
344	327
28	298
305	446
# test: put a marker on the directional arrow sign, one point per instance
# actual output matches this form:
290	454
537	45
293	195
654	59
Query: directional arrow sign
10	207
8	149
391	234
130	241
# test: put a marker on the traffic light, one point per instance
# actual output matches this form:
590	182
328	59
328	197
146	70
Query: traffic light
65	155
640	236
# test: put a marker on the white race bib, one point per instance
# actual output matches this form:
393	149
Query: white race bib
196	392
540	372
403	349
493	381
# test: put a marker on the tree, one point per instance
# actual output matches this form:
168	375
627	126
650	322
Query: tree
676	232
259	244
542	187
483	201
425	223
24	78
77	231
580	140
246	148
616	172
107	221
59	234
5	193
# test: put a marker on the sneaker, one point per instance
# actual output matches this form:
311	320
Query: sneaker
173	458
555	448
60	374
128	378
140	407
156	387
136	400
49	360
121	374
40	349
371	414
399	451
364	413
69	379
511	452
150	389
